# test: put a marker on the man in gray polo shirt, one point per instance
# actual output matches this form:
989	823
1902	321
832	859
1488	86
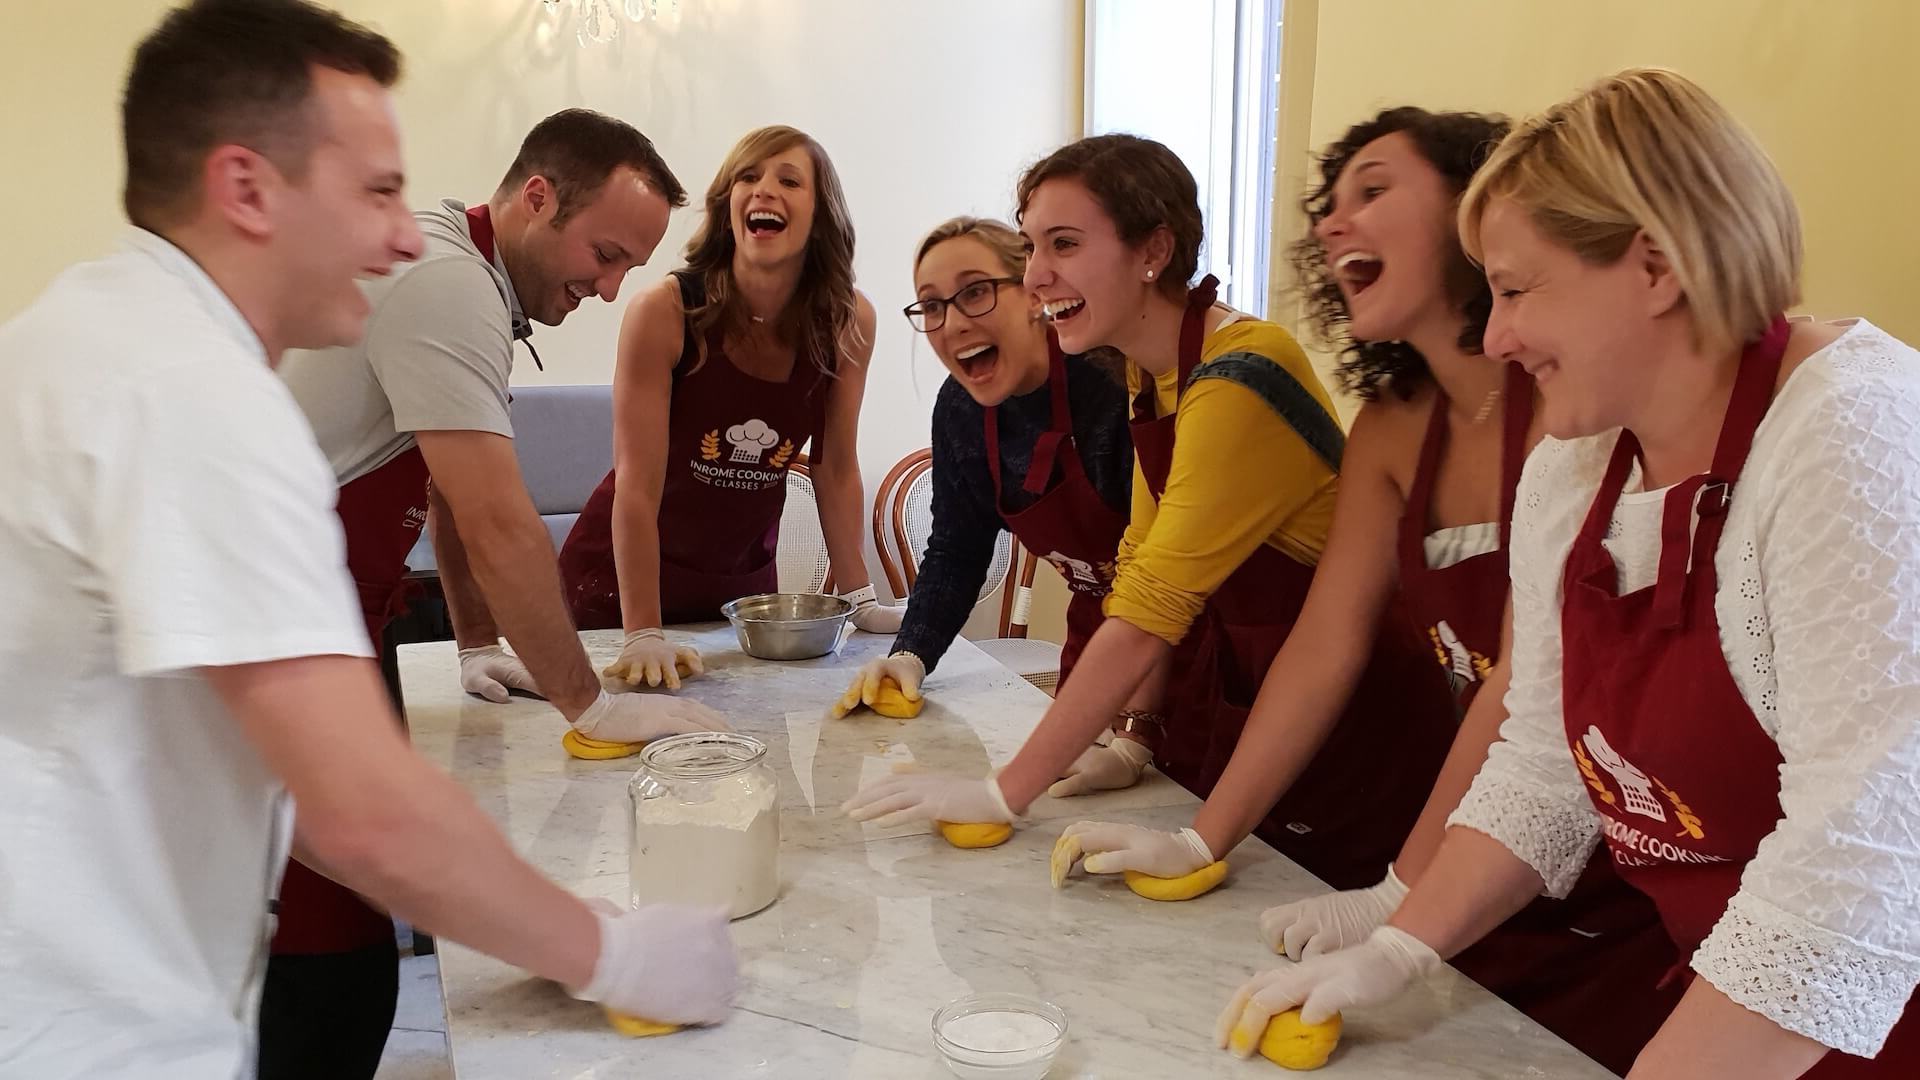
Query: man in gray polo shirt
424	397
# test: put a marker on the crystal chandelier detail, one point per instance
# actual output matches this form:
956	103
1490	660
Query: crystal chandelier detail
597	22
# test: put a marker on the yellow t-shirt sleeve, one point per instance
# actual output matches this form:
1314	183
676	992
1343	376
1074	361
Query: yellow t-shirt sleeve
1239	474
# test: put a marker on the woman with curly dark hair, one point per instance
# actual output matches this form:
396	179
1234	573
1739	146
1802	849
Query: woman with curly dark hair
1426	497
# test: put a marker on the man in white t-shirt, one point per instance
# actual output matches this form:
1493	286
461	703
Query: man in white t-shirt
180	645
424	396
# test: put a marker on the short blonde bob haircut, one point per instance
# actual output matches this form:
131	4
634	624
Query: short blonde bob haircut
1649	150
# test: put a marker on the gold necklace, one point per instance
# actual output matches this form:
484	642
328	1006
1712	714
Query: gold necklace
1487	404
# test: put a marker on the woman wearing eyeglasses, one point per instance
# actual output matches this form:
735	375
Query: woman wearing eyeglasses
1236	454
1025	438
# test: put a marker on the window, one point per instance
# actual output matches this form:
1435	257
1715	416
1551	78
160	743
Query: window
1202	77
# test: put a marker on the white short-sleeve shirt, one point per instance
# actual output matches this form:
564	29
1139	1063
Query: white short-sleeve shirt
163	507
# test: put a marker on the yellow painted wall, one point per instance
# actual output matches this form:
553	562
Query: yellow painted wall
1831	89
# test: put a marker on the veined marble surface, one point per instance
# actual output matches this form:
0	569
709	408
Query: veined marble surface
875	929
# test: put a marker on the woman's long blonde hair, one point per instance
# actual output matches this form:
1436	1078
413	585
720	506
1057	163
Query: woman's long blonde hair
820	317
1648	150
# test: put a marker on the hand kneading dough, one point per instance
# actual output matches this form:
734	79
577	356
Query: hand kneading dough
633	1025
890	701
1066	852
1291	1044
971	835
1186	887
595	750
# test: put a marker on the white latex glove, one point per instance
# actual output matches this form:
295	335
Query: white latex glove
1305	929
917	796
490	671
902	667
647	656
1110	849
1104	768
871	615
668	963
1370	973
631	718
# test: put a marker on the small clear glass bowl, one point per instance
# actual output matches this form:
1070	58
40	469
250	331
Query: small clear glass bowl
1000	1062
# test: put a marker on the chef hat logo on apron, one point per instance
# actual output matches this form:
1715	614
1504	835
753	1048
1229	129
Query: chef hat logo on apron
1637	789
751	441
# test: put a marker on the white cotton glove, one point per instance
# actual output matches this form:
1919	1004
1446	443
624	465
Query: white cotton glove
1111	849
1305	929
871	615
1373	972
916	796
631	718
903	668
647	656
669	963
1104	768
490	671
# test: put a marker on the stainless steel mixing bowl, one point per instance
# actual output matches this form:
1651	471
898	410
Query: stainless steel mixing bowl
788	626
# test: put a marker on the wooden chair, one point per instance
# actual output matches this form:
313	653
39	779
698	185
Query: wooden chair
902	525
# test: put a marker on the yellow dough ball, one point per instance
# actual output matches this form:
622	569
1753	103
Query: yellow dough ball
595	750
633	1025
975	835
1291	1044
1066	852
890	701
1185	887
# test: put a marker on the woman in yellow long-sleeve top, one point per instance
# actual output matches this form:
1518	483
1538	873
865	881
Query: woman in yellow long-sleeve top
1236	461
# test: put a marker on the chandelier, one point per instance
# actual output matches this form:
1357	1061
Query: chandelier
597	22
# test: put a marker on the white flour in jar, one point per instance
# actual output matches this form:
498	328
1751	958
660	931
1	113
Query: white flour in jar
724	850
1000	1031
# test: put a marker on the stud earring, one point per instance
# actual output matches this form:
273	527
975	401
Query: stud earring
1149	275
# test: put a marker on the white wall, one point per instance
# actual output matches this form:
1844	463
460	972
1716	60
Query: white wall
928	110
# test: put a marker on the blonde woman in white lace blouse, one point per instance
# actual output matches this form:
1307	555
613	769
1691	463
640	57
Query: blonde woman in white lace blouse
1716	592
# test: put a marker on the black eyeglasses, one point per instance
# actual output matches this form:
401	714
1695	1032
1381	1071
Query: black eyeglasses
974	299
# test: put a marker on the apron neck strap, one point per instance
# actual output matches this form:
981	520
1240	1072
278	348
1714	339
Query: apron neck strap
1752	392
1193	335
480	227
1706	496
1047	449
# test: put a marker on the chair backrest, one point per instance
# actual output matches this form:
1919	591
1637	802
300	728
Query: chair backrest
903	526
563	436
802	553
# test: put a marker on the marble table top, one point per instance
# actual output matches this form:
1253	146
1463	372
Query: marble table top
875	929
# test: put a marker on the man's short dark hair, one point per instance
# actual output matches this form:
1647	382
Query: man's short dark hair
219	72
577	149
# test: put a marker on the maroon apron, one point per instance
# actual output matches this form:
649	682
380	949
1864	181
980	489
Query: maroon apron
1587	967
382	514
1070	526
1346	816
731	439
1686	781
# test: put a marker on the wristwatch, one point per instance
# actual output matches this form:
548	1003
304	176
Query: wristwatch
1147	727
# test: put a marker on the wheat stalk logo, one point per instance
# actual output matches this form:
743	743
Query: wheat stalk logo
781	455
710	445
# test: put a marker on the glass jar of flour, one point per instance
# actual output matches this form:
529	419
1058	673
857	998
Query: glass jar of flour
706	823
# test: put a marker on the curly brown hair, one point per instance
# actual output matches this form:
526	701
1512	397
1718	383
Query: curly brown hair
820	317
1141	184
1456	144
